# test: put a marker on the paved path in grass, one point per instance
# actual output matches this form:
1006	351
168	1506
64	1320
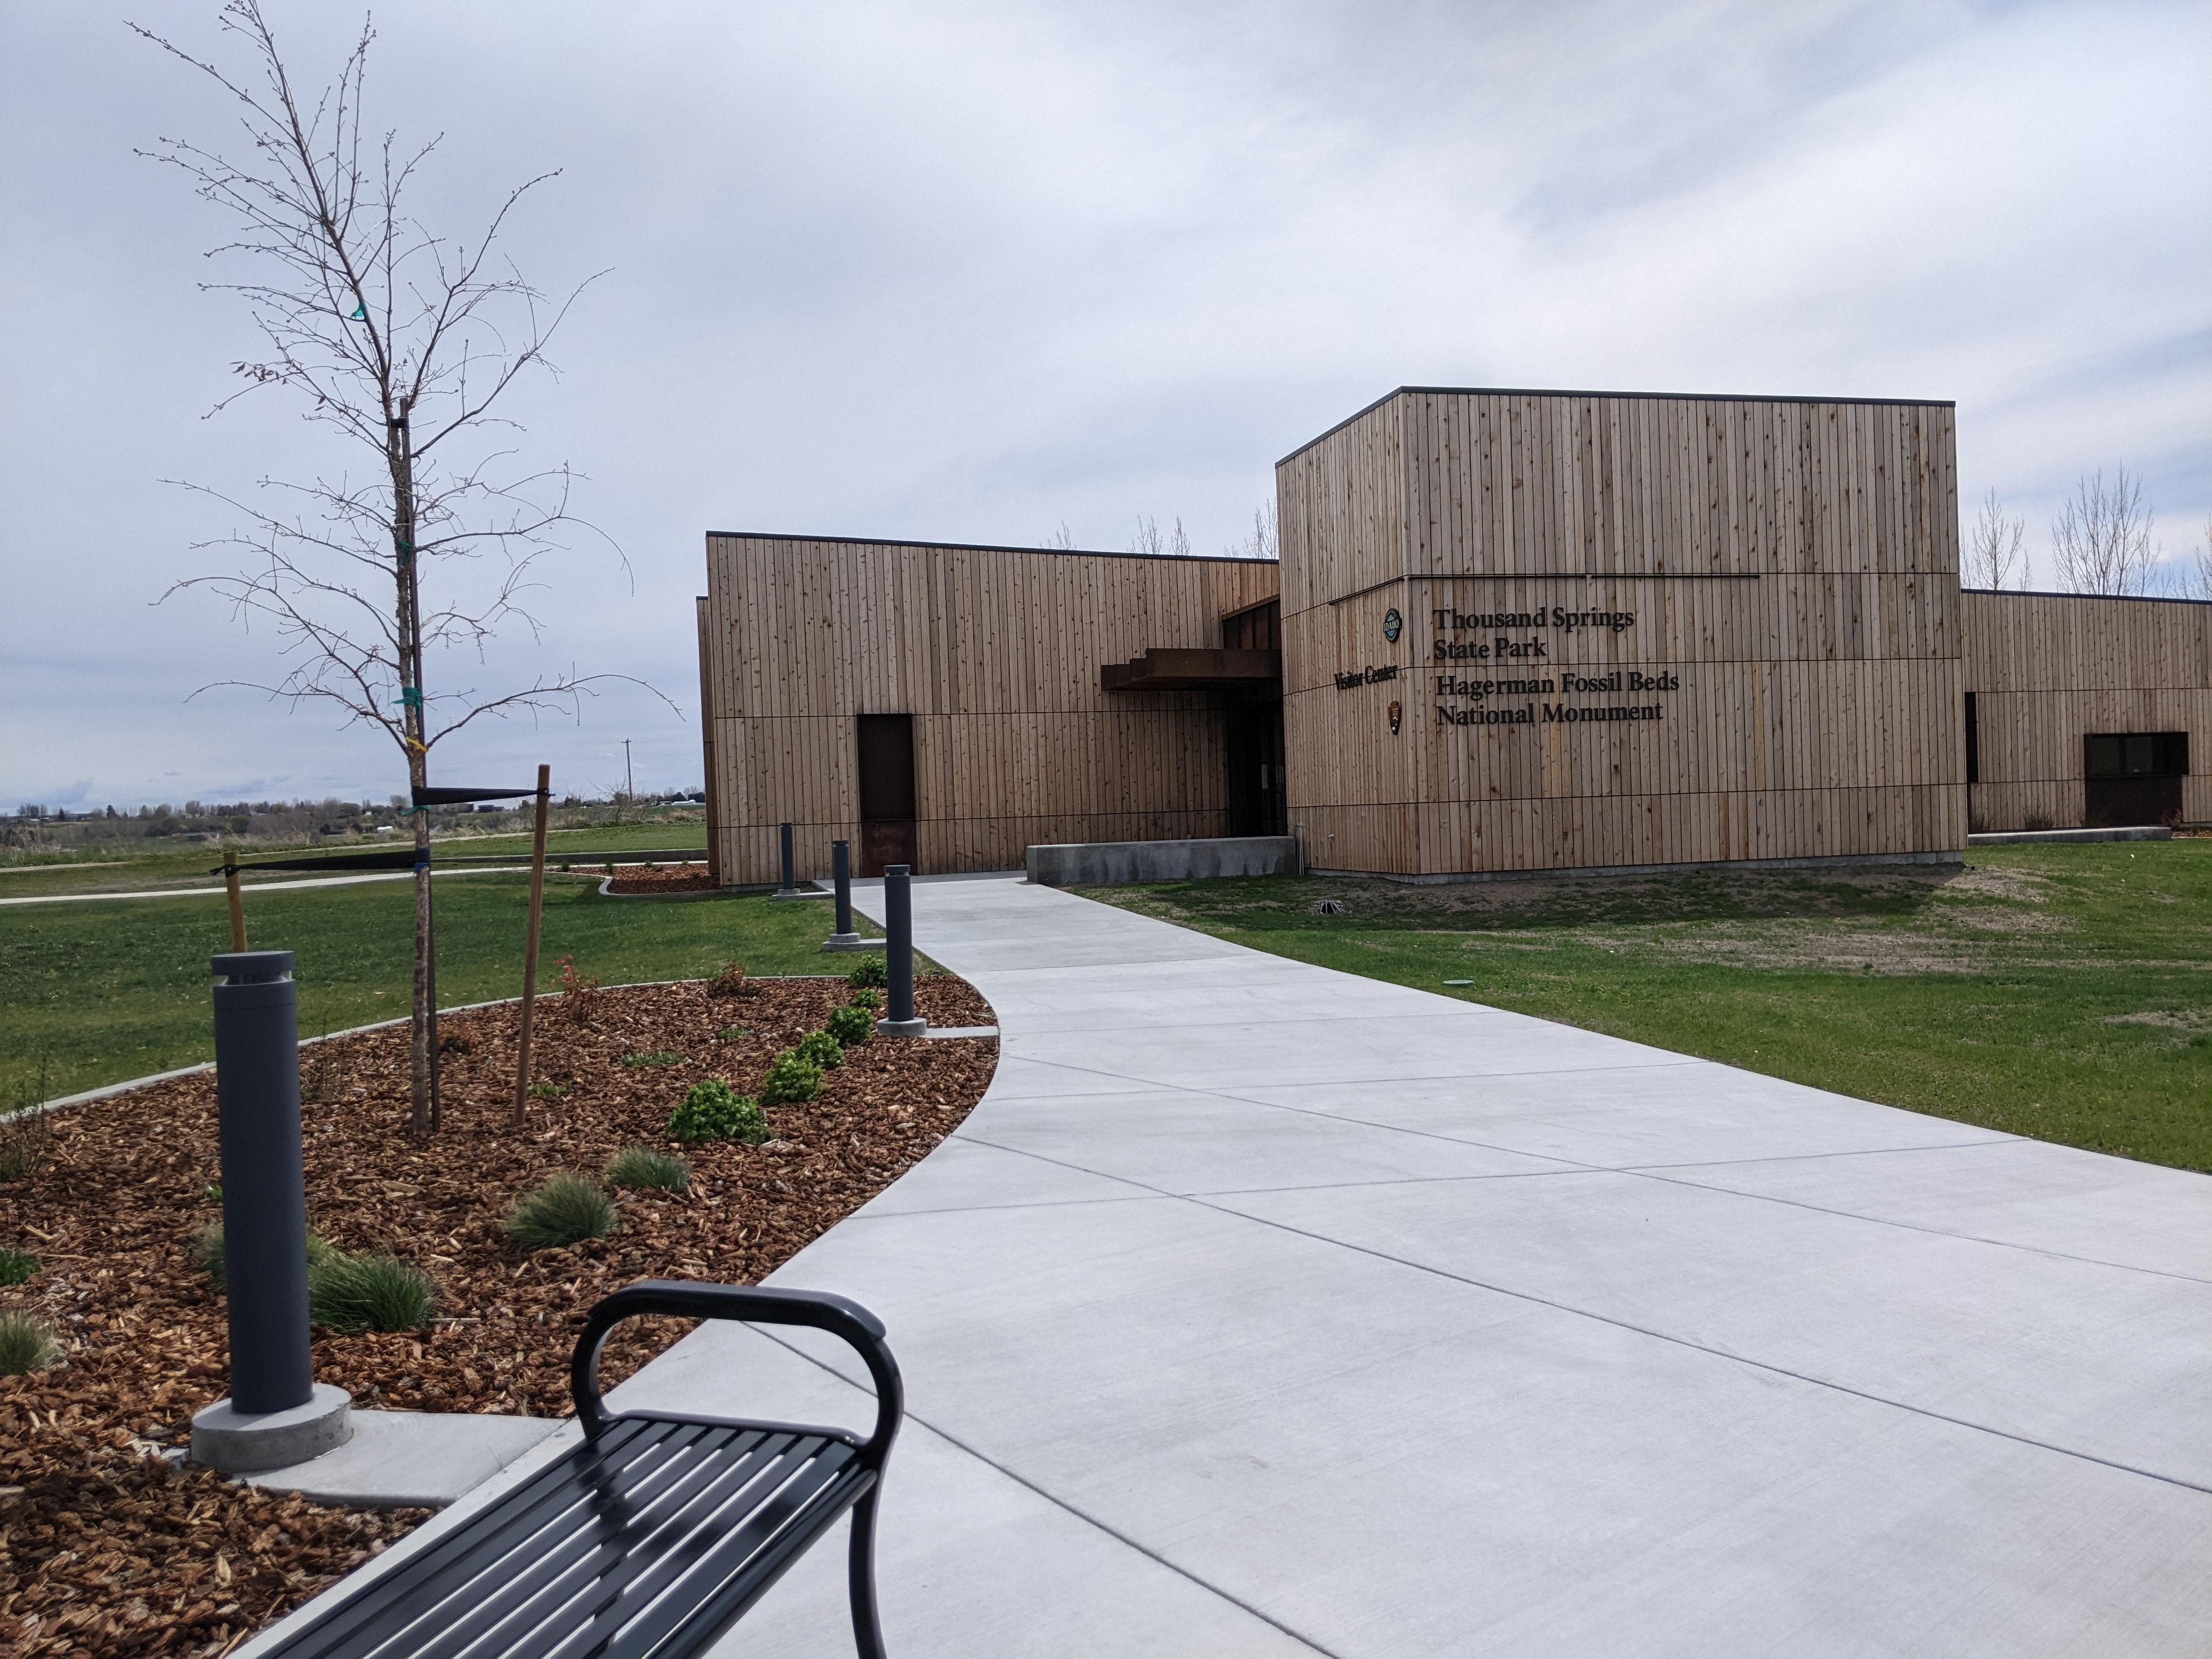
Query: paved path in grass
1261	1310
244	887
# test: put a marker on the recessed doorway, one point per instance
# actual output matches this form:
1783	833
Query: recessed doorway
886	754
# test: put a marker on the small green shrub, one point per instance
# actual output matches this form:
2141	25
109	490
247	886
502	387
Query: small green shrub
713	1111
821	1050
643	1169
867	998
26	1345
793	1076
868	970
731	1033
851	1026
654	1057
207	1250
17	1267
350	1293
551	1090
567	1210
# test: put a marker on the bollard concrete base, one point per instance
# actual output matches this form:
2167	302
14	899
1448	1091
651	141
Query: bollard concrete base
852	942
246	1442
901	1027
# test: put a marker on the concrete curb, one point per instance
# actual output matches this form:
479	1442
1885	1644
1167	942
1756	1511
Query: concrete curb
2014	837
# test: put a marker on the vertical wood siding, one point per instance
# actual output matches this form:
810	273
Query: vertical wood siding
2046	669
1793	564
996	653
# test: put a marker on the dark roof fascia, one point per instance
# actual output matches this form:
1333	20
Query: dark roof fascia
2060	593
989	547
1649	396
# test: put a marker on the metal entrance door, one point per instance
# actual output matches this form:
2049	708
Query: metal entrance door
886	752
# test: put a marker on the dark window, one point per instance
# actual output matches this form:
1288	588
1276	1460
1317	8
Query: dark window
1973	743
2135	754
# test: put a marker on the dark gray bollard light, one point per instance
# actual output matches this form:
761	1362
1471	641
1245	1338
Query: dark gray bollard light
275	1414
840	881
898	956
789	889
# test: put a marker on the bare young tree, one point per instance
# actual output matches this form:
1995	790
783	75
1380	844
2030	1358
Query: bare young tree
1993	555
2102	539
2196	578
1266	540
1061	540
1152	540
404	342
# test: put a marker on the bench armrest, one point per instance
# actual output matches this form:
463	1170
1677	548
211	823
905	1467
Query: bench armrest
754	1304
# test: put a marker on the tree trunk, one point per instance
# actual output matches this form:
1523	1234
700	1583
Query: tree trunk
400	451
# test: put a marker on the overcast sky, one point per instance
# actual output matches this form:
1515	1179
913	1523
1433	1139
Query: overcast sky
967	272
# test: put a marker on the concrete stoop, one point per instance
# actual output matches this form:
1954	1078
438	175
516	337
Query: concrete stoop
409	1460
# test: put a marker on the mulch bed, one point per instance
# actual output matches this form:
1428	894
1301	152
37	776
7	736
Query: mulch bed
661	878
108	1548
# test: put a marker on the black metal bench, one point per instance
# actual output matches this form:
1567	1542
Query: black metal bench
652	1536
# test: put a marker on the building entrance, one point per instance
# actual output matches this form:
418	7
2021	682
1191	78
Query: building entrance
1257	806
2133	777
886	769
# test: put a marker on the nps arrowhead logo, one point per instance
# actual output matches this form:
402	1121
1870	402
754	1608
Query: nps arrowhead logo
1392	624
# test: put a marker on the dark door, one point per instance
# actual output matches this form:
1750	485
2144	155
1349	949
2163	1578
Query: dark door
2133	777
886	792
1257	806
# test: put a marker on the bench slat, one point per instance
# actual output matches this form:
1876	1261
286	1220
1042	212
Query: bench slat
463	1555
728	1577
624	1521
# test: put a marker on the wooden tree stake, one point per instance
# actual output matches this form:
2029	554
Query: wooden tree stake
237	903
530	955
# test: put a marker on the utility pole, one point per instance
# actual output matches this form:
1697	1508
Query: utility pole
629	783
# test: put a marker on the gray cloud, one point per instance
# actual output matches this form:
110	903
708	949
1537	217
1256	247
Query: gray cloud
968	273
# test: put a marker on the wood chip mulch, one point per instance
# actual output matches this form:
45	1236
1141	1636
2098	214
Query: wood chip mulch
108	1547
631	878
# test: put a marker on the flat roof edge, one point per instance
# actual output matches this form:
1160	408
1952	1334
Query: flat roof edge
1650	397
2062	594
989	547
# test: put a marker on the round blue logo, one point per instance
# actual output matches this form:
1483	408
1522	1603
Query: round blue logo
1392	624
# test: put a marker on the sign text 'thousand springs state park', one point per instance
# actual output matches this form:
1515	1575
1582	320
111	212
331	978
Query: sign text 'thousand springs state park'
1481	644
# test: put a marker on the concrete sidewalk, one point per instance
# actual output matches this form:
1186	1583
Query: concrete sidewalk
1261	1310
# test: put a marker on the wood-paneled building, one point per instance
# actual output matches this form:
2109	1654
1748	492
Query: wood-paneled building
2082	711
946	706
1510	632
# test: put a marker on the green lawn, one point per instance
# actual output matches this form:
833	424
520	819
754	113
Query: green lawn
101	991
2059	991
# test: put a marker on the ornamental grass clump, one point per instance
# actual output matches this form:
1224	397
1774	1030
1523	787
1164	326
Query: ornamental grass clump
867	971
567	1210
26	1345
851	1026
792	1078
376	1292
713	1111
17	1267
643	1169
822	1050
